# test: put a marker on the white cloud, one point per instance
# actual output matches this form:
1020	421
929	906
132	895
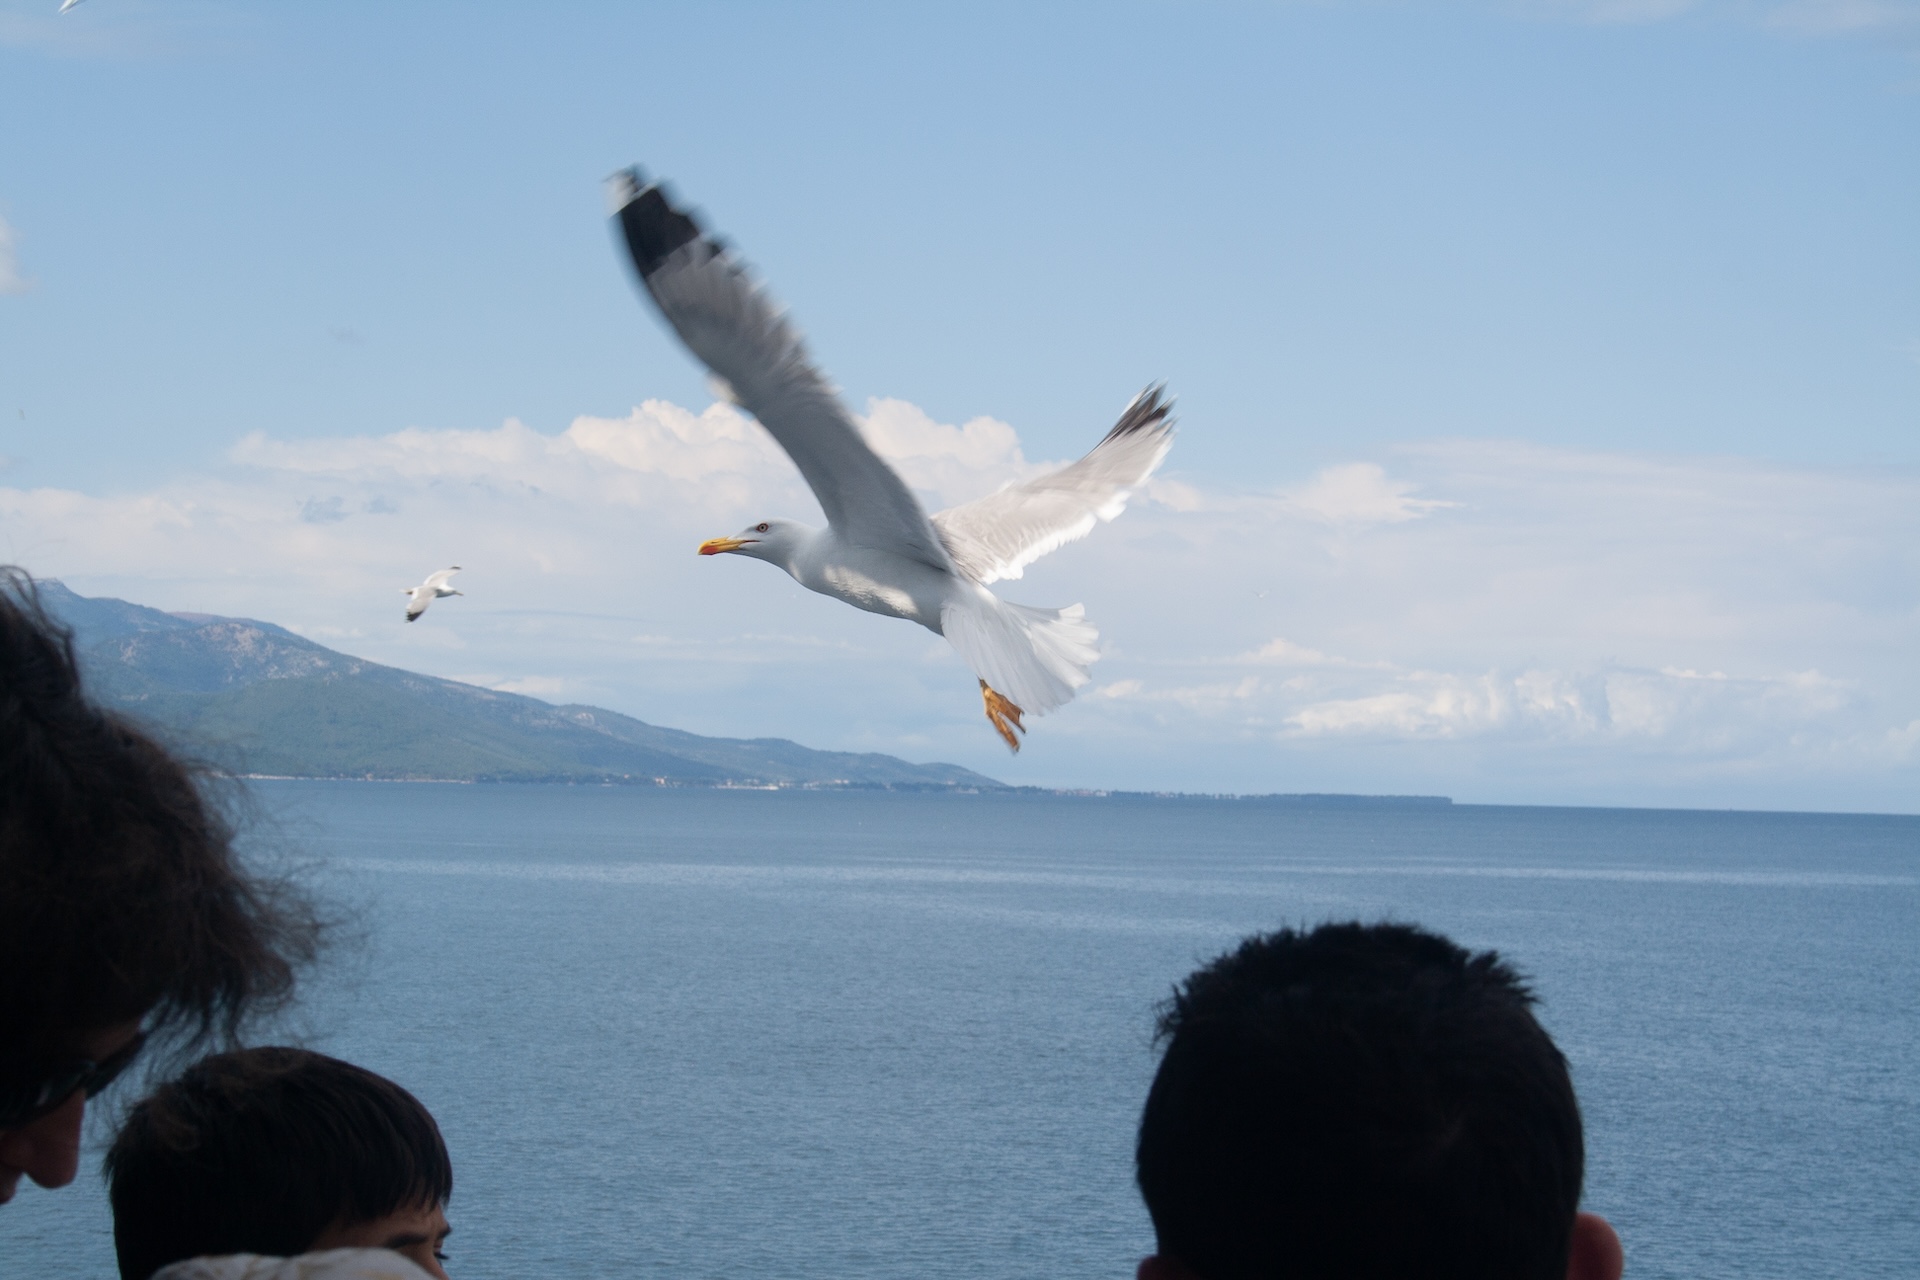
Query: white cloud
1674	711
1595	626
950	464
1693	621
11	281
1118	689
716	460
1285	652
1596	705
1357	494
1441	705
1280	651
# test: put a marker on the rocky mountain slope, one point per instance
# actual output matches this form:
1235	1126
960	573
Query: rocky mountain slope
259	699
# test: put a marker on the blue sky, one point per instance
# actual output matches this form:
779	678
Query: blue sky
1527	355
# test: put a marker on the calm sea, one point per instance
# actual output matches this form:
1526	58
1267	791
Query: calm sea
749	1034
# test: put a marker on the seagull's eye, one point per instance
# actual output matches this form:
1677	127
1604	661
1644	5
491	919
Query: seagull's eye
760	528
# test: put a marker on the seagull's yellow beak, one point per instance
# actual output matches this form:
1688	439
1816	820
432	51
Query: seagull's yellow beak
714	546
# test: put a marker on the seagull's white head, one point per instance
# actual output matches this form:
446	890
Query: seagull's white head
771	540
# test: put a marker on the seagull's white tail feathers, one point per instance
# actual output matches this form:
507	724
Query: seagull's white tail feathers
1036	658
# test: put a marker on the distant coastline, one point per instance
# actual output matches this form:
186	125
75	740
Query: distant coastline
1295	800
271	706
662	783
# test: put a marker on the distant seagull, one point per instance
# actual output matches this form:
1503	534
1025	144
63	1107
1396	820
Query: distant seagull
880	551
434	588
66	5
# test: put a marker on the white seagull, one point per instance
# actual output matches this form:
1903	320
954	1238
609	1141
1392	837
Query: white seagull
434	588
66	5
880	550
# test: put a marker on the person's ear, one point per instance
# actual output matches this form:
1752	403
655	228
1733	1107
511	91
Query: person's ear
1163	1266
1594	1252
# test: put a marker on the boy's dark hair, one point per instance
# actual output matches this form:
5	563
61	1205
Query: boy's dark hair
120	891
1360	1102
260	1151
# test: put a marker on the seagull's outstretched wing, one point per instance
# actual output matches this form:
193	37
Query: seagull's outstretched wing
734	328
417	601
440	578
999	535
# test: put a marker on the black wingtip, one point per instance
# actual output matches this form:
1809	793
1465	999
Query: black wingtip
652	226
1151	408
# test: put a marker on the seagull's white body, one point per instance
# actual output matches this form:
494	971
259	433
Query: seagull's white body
877	581
434	588
880	550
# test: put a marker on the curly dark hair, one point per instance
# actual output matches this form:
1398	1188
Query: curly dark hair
121	892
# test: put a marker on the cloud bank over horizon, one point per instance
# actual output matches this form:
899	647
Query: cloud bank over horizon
1490	619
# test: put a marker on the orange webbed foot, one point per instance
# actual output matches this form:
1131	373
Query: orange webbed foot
1003	715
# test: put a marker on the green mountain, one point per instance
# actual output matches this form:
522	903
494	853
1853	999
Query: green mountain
258	699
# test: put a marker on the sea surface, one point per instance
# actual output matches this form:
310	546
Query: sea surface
811	1034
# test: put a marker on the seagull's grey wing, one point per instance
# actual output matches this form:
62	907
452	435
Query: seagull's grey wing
999	535
439	579
418	600
728	321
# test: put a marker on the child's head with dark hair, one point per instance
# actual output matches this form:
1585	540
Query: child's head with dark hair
280	1152
1363	1102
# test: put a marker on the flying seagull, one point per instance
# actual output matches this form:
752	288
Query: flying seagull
434	588
66	5
880	550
